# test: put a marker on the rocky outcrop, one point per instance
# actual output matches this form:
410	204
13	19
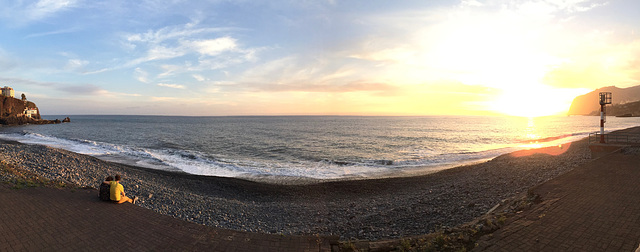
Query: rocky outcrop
588	103
12	107
12	112
20	120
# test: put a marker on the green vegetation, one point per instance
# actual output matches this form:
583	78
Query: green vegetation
19	178
348	246
405	245
458	239
501	220
21	183
462	238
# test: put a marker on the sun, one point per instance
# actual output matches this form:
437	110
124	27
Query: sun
533	101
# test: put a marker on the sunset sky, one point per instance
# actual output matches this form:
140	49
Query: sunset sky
525	58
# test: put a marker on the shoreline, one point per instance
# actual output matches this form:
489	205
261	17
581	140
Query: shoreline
279	180
372	209
383	156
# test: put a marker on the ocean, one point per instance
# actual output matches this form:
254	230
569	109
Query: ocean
286	149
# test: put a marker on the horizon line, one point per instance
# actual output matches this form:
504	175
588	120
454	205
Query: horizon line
302	115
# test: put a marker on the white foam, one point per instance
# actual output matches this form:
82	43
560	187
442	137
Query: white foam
196	163
422	160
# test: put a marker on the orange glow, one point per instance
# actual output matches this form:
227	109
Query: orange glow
552	150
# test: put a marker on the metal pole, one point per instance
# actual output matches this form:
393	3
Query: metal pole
602	123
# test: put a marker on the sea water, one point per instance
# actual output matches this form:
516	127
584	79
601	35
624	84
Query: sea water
292	148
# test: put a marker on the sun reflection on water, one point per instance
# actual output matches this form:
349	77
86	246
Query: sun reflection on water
536	141
531	134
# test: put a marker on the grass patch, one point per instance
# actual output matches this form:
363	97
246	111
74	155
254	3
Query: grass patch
19	178
21	183
461	238
502	219
348	246
405	245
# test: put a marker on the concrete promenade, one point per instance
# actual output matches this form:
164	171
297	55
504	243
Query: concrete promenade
595	207
50	219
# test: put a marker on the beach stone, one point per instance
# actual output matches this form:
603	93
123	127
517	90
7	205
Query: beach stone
364	209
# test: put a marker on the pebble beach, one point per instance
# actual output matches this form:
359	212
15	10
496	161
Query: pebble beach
359	209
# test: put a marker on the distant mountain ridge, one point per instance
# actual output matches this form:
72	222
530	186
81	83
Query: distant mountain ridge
587	104
626	110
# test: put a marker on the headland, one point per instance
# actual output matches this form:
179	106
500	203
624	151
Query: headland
15	111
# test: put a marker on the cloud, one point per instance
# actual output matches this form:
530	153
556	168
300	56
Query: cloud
173	33
213	47
471	3
325	88
26	82
336	52
490	43
49	89
317	75
163	99
127	94
25	12
141	75
198	77
171	69
49	33
176	86
161	52
102	70
397	54
92	90
87	89
213	51
76	64
44	8
575	5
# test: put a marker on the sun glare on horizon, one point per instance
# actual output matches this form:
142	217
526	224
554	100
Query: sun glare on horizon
534	101
511	55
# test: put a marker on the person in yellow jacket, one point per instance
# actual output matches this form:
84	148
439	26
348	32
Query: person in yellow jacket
117	192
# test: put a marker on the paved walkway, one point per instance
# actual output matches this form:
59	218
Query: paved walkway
595	207
49	219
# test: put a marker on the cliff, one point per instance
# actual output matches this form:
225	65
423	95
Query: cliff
15	107
626	109
587	104
12	112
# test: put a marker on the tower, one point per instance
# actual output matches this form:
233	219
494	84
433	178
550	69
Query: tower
605	98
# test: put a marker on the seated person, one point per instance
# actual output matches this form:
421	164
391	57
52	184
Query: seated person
117	192
105	189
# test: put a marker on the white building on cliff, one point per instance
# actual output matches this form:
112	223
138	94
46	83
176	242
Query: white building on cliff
8	91
30	112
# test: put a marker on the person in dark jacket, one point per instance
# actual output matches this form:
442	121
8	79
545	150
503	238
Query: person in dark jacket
105	189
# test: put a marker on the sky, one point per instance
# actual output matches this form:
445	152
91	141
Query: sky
218	58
